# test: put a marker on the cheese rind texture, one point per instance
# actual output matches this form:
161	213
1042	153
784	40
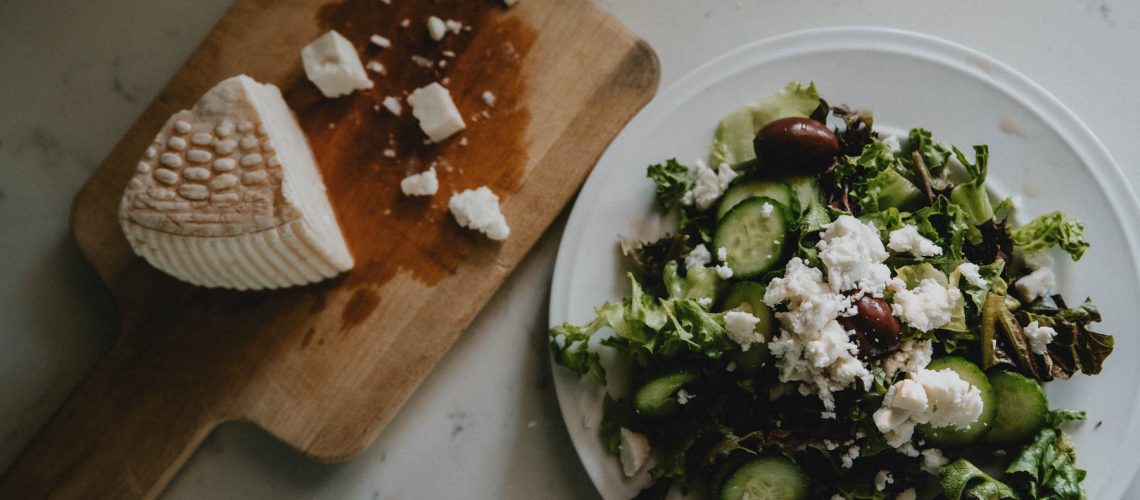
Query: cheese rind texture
332	64
229	195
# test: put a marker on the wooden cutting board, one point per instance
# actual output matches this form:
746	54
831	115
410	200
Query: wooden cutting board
325	367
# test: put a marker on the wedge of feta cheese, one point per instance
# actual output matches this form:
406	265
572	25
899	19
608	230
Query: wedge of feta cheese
332	64
229	195
421	184
478	209
634	448
433	108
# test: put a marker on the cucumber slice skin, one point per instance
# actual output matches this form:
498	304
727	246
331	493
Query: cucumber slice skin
755	243
746	189
952	437
1021	408
655	398
748	296
766	478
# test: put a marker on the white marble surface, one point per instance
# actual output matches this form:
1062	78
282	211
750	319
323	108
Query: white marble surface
74	74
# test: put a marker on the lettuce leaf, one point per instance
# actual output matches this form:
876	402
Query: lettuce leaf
1048	230
672	180
1047	467
961	479
971	196
949	225
875	180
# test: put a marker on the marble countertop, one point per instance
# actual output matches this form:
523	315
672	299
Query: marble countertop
485	424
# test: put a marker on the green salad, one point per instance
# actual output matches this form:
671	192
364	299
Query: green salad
841	313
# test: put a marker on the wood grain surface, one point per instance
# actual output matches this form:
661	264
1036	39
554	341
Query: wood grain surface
325	367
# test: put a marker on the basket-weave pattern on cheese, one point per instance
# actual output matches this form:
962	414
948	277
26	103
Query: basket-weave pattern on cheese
229	195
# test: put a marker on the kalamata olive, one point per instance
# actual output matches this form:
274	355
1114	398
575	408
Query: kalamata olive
800	145
876	330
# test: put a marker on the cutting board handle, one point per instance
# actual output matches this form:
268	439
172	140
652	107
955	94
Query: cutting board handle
123	433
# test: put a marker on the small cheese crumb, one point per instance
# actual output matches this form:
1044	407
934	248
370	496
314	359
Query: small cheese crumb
724	271
389	153
972	273
478	209
436	112
488	98
741	328
380	41
698	257
376	67
392	105
722	254
683	397
453	26
510	3
1039	337
421	184
911	356
848	457
882	479
766	210
1041	281
708	184
704	302
853	255
933	459
927	306
436	28
907	494
907	240
332	64
405	23
634	448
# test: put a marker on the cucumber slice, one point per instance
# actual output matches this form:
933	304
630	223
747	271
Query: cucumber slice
755	236
749	297
1021	408
750	189
656	397
952	437
766	478
806	188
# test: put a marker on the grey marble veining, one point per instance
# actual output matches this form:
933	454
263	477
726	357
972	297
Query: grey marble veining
74	75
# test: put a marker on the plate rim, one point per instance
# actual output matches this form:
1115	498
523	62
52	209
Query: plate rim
1078	137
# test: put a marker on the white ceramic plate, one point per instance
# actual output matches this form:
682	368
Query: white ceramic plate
1039	150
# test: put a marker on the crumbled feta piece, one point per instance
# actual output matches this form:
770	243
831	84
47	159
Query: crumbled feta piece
830	445
724	271
634	451
332	64
478	209
837	497
911	356
683	397
848	457
927	306
907	494
380	41
741	328
453	26
1036	284
704	302
698	257
722	254
436	112
421	184
1039	337
376	67
936	397
853	255
708	184
907	240
488	98
510	3
812	347
392	105
933	459
405	23
389	153
973	276
766	210
436	28
882	479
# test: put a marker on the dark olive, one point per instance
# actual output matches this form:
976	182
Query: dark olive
876	330
799	145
